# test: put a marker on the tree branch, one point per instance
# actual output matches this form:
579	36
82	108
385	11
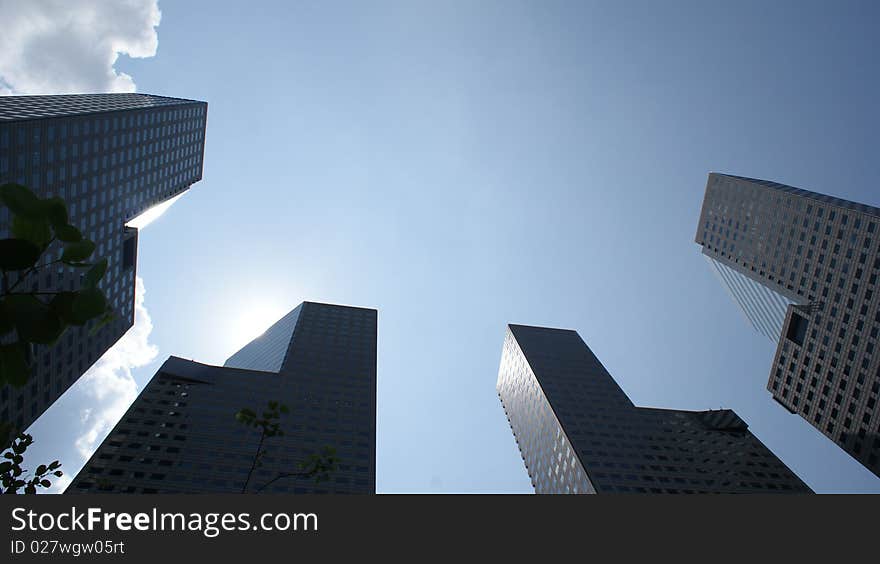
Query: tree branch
34	267
256	458
284	475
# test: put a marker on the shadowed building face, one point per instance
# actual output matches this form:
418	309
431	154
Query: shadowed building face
110	157
181	435
803	267
578	432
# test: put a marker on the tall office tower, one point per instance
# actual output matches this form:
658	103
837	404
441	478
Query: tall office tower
803	268
110	157
578	432
180	434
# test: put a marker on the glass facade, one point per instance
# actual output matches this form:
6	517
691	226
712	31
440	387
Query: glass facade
180	434
268	351
549	457
110	157
823	253
578	432
765	308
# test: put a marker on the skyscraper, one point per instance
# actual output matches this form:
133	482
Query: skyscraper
110	157
578	432
803	268
180	434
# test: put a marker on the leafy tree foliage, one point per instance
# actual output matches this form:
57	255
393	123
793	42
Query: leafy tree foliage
14	478
317	466
41	230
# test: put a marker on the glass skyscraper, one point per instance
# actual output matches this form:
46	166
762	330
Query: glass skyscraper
180	435
268	351
803	267
578	432
765	308
110	157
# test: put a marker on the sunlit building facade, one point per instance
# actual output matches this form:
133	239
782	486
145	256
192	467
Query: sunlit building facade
110	157
180	434
579	433
806	266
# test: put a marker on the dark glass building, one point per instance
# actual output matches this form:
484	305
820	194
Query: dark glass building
803	268
110	157
180	434
579	433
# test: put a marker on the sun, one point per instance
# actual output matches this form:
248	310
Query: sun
252	320
152	214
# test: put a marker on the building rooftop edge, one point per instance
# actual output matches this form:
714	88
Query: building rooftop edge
176	359
817	196
511	325
336	305
73	95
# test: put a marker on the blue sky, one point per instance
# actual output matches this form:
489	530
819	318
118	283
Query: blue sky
463	165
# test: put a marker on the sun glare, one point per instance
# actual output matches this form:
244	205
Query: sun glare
253	321
152	214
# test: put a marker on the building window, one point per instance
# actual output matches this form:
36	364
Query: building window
128	253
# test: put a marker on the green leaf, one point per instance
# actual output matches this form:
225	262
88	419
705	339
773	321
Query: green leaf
21	201
56	210
78	251
62	304
67	233
45	483
88	304
18	254
6	432
94	274
6	324
46	332
36	231
55	464
5	466
58	473
109	315
41	469
34	320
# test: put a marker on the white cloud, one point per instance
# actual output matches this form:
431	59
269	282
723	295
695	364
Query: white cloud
78	422
59	484
108	387
71	46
